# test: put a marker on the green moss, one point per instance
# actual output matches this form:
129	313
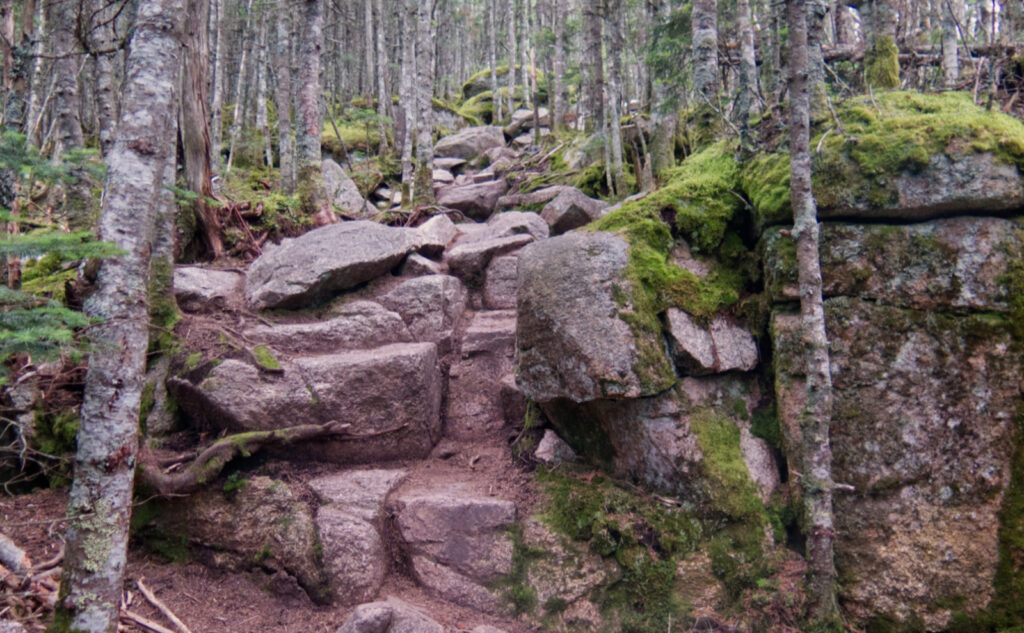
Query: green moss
192	360
882	64
265	358
764	423
514	585
163	309
56	433
478	110
146	403
895	133
732	490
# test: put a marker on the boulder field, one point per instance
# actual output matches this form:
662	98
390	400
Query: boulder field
653	365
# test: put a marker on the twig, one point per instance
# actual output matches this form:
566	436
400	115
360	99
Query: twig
156	602
145	623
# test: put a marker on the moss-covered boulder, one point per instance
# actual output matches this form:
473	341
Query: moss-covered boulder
904	156
481	81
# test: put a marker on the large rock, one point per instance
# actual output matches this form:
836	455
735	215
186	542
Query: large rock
470	142
207	290
259	522
573	344
435	234
665	440
512	223
469	261
722	346
343	192
459	543
539	196
310	268
359	325
523	119
481	397
922	427
430	306
501	282
476	201
351	528
571	209
389	616
392	393
957	263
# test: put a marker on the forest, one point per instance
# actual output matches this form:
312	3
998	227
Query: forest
296	293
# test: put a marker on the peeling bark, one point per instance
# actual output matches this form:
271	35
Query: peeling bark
99	505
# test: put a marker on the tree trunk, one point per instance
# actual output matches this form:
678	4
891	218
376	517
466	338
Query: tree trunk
99	505
407	98
748	72
312	195
557	85
383	96
423	187
705	50
368	47
217	98
66	102
195	133
613	16
594	65
524	51
283	98
262	121
39	81
510	14
817	413
103	44
882	60
664	117
951	12
6	40
238	111
492	46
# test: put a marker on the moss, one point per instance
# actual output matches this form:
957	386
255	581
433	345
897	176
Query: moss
146	403
514	585
478	110
732	490
163	309
265	358
764	423
56	434
895	133
192	360
882	64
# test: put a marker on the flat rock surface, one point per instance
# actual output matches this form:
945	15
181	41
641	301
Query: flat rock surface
361	493
198	289
470	142
359	325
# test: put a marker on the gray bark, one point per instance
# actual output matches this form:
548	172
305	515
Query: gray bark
262	122
510	14
613	17
99	504
103	39
705	50
557	85
593	64
383	96
238	111
407	98
816	416
423	189
66	102
38	90
524	51
368	47
283	98
217	90
664	117
307	135
951	14
748	71
492	46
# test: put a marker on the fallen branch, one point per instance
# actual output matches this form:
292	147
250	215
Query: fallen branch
164	609
12	556
144	622
211	461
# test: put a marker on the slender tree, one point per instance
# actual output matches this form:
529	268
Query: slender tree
557	86
594	66
407	98
664	116
423	190
748	71
817	412
312	194
383	98
510	14
613	17
217	89
99	504
704	23
492	46
238	111
262	120
104	42
283	97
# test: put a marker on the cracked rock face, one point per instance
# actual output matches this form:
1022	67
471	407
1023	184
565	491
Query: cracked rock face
721	347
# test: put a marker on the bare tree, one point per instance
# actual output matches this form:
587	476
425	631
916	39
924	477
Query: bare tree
817	412
510	14
312	194
240	88
705	50
217	90
99	504
262	121
557	86
407	96
423	190
383	96
593	64
748	71
613	17
492	37
664	117
283	97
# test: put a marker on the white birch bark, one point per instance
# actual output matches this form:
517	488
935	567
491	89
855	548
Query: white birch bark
262	122
558	80
492	57
748	71
407	98
423	189
99	504
951	12
383	97
368	46
217	90
240	86
510	15
613	18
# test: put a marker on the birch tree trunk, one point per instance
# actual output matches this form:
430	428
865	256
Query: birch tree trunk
407	98
613	16
283	98
524	51
557	85
66	102
99	505
262	122
817	413
217	97
383	96
748	71
195	132
510	14
664	117
39	81
492	46
423	189
594	64
705	50
950	54
368	46
103	44
312	195
238	111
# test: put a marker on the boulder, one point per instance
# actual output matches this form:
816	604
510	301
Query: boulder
956	263
430	306
571	209
532	198
199	289
435	234
311	268
500	282
553	450
259	523
663	441
470	142
478	376
351	528
442	176
476	201
389	616
512	223
391	392
722	346
458	542
469	261
417	265
449	164
523	119
342	191
358	325
573	341
922	428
